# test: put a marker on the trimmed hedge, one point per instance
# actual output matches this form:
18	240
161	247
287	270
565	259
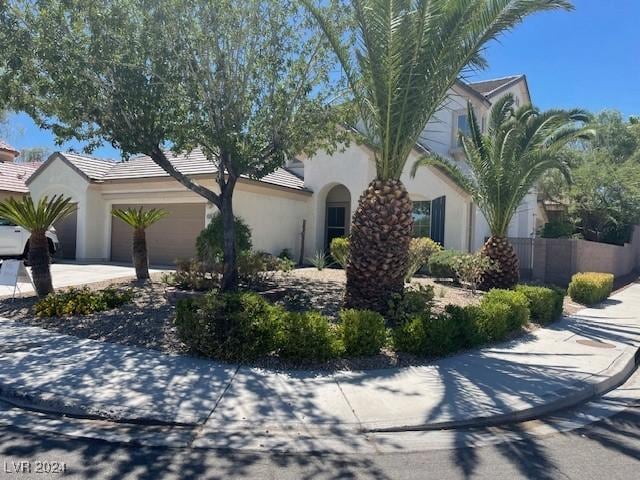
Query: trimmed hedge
309	336
362	331
230	326
590	287
442	264
500	313
545	303
516	301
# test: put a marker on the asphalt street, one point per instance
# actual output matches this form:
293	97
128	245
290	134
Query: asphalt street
606	449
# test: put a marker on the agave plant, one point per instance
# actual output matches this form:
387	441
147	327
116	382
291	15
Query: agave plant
406	56
38	218
140	219
521	145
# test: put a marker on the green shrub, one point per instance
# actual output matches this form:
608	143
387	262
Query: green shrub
545	303
362	332
230	326
410	336
309	336
190	275
285	254
340	251
420	250
470	267
81	301
433	335
492	321
442	264
210	241
412	302
464	321
590	287
558	229
516	302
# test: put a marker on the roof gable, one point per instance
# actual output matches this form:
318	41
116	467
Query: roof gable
141	168
491	87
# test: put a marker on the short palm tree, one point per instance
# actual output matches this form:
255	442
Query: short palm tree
140	219
521	145
406	56
38	218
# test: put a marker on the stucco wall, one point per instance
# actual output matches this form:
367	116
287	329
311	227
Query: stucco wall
354	168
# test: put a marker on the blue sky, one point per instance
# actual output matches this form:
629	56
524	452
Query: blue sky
589	58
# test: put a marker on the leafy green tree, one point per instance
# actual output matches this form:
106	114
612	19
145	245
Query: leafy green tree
619	139
140	219
604	198
38	218
248	82
405	58
506	163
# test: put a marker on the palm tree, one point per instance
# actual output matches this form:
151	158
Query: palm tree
407	54
140	220
38	218
505	164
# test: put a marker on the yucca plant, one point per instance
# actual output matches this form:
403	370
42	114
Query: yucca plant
406	56
38	218
521	145
140	219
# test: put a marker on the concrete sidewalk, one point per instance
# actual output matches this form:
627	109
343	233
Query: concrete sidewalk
551	368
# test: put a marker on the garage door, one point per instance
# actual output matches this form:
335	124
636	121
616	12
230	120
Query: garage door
66	231
171	238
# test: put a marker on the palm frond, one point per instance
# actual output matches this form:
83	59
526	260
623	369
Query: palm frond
139	217
36	217
408	54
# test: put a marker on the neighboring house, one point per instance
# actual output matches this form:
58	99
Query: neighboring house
13	176
321	191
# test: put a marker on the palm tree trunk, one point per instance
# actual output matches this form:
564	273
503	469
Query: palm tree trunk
40	261
140	257
379	246
507	273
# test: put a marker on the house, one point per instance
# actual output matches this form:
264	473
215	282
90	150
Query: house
13	176
320	192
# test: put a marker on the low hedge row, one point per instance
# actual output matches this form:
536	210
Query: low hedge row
81	301
590	287
500	313
244	326
545	303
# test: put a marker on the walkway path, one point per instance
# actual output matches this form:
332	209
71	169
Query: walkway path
573	360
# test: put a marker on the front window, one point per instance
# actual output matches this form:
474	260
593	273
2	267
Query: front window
422	219
462	124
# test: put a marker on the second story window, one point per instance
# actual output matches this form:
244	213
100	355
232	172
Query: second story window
462	127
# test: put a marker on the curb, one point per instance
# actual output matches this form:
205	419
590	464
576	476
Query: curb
584	391
44	402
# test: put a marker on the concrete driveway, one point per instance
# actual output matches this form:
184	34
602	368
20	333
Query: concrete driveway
77	275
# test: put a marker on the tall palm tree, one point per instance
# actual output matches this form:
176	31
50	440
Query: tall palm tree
38	218
407	54
140	219
521	145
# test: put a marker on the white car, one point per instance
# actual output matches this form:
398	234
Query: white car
14	240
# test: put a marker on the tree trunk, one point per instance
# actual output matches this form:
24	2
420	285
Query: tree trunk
230	261
379	246
40	263
507	273
140	257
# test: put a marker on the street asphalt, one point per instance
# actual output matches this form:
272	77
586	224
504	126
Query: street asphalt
606	449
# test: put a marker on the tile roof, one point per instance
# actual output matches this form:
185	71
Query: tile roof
13	176
193	163
8	148
489	87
